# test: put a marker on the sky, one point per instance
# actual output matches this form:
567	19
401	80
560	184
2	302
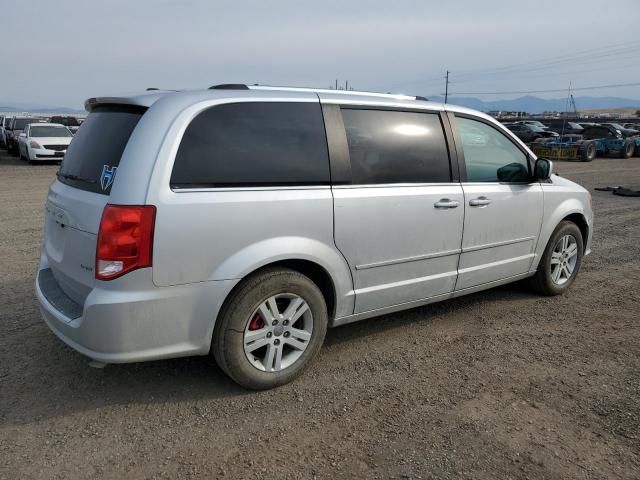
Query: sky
60	52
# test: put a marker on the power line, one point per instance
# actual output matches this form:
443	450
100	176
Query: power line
554	90
594	53
607	53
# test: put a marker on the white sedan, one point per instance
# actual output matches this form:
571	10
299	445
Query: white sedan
44	141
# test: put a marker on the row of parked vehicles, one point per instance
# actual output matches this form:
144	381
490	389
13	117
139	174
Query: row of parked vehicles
37	139
563	139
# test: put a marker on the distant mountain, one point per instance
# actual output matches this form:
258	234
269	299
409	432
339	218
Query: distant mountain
528	104
538	105
35	108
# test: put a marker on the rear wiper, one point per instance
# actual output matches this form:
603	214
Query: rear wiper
70	176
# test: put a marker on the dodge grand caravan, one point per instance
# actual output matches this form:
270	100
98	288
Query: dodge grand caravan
241	222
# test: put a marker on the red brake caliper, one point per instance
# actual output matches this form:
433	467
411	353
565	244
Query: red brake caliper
256	322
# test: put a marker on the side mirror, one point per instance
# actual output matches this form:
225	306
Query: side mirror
22	134
542	169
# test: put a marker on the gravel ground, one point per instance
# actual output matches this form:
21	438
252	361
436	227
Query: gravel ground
496	385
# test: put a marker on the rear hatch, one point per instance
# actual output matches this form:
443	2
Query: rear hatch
77	198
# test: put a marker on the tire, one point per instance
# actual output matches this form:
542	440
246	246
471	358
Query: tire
588	152
544	281
244	312
627	149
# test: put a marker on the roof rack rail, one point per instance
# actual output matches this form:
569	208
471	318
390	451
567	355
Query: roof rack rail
229	86
336	92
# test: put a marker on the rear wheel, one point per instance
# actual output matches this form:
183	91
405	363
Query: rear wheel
588	152
561	260
270	329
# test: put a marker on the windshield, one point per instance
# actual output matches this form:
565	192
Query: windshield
67	121
20	123
49	132
617	126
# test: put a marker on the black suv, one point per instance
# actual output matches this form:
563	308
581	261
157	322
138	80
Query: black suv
626	132
530	133
70	122
564	127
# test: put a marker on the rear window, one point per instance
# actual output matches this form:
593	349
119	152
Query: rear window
94	154
253	144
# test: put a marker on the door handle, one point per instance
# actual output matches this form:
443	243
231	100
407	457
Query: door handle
445	203
479	202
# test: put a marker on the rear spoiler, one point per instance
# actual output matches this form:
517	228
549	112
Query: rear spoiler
143	101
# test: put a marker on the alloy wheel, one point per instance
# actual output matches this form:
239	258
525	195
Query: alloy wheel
278	332
563	259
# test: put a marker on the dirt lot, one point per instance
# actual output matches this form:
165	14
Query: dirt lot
496	385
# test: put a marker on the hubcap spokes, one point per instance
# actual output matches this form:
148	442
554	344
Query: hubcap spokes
563	259
284	333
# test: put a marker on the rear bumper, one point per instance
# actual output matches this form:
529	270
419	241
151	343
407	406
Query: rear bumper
120	322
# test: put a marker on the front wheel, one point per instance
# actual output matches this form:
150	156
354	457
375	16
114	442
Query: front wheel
588	151
270	328
627	149
561	260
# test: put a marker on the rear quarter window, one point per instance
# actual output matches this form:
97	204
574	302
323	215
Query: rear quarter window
253	144
92	159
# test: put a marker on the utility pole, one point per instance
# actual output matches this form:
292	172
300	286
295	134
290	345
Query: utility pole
446	87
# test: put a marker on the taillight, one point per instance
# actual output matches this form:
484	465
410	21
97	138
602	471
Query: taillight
125	240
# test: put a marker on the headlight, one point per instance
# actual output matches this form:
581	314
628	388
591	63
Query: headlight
34	144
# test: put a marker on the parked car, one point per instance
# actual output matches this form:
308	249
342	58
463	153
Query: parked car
70	122
530	133
626	132
610	141
44	141
242	222
15	128
533	123
4	121
632	126
564	127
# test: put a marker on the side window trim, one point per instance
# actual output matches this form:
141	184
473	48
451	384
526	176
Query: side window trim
458	140
337	145
339	156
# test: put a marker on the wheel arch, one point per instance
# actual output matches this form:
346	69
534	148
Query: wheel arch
570	210
581	221
324	265
317	273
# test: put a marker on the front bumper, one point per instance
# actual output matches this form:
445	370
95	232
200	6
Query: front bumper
122	322
45	154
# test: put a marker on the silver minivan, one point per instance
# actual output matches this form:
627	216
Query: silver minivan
241	222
